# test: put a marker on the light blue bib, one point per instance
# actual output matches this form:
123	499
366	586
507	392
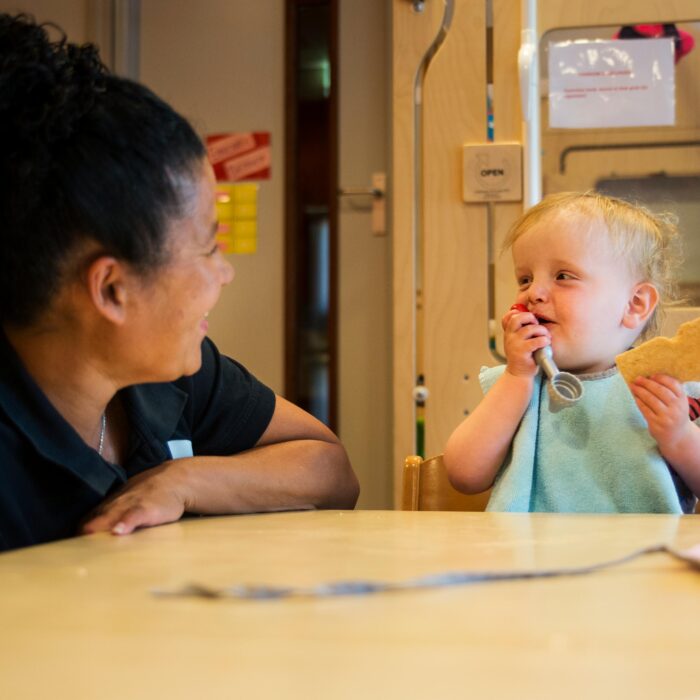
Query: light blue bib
594	457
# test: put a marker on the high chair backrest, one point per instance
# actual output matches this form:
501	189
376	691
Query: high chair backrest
426	487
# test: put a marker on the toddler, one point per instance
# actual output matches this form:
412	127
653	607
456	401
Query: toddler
592	272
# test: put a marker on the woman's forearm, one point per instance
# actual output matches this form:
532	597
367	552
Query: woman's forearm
303	473
295	474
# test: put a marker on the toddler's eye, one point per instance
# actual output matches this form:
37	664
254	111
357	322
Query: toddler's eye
524	282
564	276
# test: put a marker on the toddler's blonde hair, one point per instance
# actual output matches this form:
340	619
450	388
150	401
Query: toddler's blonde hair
648	242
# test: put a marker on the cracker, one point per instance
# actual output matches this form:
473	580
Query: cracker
678	357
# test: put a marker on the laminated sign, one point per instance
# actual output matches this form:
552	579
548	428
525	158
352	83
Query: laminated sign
623	82
240	155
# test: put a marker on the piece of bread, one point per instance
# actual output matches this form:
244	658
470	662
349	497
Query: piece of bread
678	357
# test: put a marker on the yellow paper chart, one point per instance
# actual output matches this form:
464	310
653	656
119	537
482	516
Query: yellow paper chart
237	211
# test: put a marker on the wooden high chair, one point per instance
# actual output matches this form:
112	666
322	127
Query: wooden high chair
426	487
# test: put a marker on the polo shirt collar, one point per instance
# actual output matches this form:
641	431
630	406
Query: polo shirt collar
155	411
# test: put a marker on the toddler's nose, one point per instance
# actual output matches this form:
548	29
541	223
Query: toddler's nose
538	292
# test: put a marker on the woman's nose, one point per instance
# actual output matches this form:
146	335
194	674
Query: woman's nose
226	271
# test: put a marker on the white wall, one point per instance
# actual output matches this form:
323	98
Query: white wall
221	64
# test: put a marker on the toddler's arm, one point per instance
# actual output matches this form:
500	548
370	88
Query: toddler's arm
664	405
478	446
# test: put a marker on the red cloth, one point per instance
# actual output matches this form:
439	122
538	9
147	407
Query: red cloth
683	43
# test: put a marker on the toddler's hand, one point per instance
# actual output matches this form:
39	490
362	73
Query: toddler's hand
522	336
664	405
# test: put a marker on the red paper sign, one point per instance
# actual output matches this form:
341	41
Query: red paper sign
240	156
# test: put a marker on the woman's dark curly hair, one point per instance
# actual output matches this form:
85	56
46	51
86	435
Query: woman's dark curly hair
84	155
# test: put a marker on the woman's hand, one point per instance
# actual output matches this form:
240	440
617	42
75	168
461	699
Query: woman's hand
664	405
150	498
523	334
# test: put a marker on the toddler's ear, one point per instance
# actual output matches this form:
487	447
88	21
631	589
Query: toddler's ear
640	306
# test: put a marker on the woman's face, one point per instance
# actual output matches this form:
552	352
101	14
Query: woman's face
169	311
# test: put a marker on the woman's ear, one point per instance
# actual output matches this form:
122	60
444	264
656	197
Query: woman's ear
640	306
107	286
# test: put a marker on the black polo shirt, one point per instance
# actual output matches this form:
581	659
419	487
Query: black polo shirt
50	479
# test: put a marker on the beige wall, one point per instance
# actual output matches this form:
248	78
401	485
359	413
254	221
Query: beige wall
364	371
221	64
70	15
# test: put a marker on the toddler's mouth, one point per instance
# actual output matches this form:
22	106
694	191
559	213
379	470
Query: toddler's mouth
540	318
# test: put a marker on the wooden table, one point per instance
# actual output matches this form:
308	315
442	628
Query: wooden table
79	621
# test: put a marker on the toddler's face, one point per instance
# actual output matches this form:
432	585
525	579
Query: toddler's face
570	278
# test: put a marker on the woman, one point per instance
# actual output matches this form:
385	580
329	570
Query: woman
116	412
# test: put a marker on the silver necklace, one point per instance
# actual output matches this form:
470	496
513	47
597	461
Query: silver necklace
103	427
